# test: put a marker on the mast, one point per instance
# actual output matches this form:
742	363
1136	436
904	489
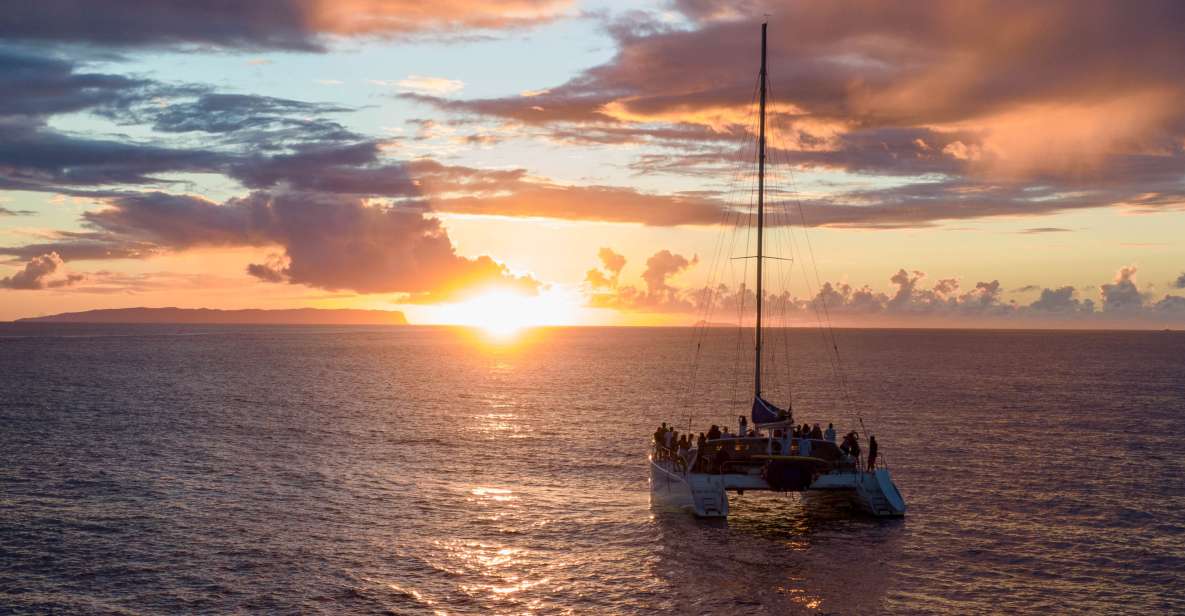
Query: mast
760	219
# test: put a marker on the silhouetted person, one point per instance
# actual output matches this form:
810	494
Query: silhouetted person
830	433
721	459
816	432
856	449
699	442
871	453
713	432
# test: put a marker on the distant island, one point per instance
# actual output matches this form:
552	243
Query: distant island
196	316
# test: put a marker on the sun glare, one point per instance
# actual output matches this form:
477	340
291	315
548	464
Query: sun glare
503	314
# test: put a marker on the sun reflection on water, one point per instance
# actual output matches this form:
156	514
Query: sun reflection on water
495	494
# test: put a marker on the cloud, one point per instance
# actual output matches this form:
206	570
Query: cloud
39	274
36	83
304	25
1179	283
226	113
268	272
1077	102
662	266
7	212
328	241
44	160
613	264
1042	230
1122	295
611	260
596	203
908	299
430	85
658	296
1061	301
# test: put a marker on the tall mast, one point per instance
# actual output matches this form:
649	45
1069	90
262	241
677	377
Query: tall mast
760	218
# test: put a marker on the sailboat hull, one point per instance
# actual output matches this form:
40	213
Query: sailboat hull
705	495
700	494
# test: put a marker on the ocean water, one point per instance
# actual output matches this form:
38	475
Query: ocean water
415	470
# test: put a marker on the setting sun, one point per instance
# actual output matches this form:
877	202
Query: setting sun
504	313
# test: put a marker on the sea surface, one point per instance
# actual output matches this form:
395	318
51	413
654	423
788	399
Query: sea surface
419	470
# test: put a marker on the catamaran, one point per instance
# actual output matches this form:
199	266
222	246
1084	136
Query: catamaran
772	453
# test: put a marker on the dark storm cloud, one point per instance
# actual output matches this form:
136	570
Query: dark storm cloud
1179	283
278	24
7	212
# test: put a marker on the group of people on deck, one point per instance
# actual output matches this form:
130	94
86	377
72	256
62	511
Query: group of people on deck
816	433
851	447
672	445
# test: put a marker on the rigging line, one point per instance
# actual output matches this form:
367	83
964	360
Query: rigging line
725	265
775	184
742	289
709	298
706	317
823	330
775	187
784	274
840	373
741	306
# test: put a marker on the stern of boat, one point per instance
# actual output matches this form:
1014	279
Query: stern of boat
878	495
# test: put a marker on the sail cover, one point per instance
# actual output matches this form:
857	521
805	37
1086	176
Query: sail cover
766	413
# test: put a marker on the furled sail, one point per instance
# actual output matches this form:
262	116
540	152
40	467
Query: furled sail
766	413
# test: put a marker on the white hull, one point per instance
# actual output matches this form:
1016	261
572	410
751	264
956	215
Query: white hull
705	494
698	493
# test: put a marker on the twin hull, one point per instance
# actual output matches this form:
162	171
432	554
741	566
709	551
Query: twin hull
705	494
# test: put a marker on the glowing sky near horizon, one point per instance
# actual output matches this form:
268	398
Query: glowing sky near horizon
424	157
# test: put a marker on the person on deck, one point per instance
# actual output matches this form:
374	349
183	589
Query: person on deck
855	451
830	433
713	432
871	453
816	432
744	422
699	442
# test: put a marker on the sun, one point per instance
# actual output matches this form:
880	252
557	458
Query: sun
503	314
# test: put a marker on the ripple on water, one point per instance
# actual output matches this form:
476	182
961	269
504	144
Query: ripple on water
305	470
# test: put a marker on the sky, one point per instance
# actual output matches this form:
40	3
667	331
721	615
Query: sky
553	162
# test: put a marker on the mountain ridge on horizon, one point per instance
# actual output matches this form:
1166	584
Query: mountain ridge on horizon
247	316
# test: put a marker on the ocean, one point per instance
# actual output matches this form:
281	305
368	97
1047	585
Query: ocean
423	470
